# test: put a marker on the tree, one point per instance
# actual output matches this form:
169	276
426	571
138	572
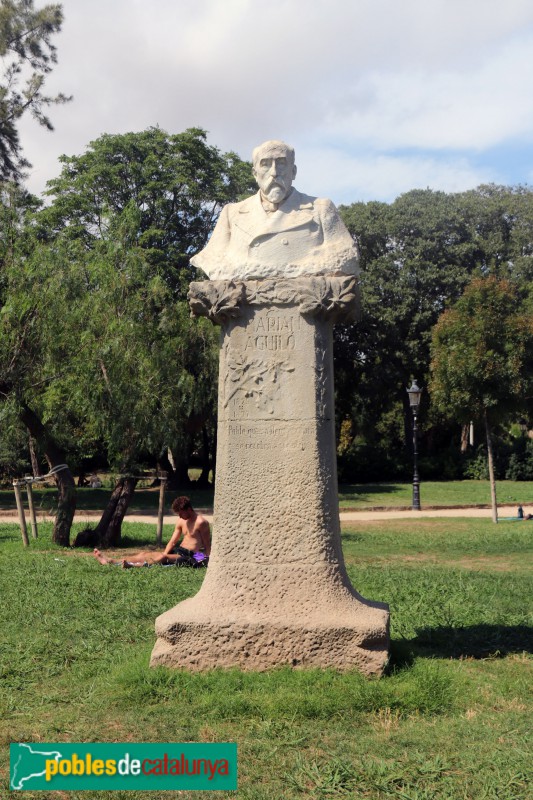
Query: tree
482	358
176	185
28	56
20	347
501	223
130	212
418	254
96	332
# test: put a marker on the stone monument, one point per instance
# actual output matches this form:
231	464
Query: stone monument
282	269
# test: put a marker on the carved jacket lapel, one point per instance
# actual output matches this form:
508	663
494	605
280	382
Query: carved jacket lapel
252	219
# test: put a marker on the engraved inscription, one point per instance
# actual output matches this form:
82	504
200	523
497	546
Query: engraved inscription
256	430
270	342
260	437
306	436
273	324
272	332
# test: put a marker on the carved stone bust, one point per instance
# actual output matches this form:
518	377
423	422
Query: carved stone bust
278	232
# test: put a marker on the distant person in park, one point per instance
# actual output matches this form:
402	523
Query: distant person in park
194	550
278	232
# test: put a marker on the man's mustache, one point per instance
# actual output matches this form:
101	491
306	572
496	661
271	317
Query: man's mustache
275	185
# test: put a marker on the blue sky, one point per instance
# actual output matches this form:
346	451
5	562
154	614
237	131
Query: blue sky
378	97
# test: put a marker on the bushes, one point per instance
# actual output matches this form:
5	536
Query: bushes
371	463
520	466
367	463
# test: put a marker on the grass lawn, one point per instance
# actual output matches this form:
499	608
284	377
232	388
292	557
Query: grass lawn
96	499
435	493
355	496
450	719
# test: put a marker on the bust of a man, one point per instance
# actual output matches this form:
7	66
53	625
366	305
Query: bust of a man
278	232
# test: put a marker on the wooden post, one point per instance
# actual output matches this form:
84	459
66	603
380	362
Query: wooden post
161	510
22	518
33	518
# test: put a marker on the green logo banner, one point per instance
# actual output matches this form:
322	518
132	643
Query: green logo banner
127	766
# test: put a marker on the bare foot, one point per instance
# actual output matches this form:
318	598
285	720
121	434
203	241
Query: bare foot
99	557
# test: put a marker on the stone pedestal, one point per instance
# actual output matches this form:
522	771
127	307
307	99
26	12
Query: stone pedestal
276	589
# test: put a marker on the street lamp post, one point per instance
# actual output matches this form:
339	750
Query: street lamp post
415	393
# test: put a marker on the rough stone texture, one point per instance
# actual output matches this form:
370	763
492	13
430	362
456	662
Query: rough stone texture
276	589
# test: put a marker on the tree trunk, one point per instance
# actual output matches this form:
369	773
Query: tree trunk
66	504
182	455
203	480
490	456
109	530
165	463
36	469
182	473
82	478
465	433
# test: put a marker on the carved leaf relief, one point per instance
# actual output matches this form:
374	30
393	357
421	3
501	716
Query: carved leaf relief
335	297
256	378
218	300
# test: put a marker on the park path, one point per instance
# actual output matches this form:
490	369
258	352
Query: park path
346	516
407	513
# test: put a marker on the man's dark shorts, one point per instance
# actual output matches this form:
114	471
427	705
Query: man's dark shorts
187	558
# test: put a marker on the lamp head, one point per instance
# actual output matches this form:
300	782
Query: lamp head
415	393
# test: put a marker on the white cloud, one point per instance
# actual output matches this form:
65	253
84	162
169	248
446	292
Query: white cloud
446	109
383	177
369	77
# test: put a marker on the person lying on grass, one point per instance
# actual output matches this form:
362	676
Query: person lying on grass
193	530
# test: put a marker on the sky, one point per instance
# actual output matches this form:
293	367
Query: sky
377	97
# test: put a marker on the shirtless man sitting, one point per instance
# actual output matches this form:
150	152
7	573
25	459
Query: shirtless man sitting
193	530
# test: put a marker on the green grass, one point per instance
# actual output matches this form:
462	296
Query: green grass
96	499
450	719
356	496
434	493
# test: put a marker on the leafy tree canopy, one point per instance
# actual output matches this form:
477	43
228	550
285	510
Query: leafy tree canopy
482	358
28	55
95	332
482	352
175	185
417	255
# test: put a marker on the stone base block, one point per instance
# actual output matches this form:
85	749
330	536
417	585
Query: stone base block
261	646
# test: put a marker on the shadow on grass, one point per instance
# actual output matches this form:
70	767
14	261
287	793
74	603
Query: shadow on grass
8	535
96	499
141	542
476	641
352	537
366	491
